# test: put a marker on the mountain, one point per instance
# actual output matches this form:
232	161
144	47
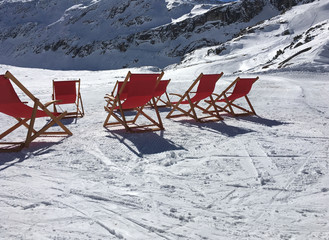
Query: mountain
100	34
297	39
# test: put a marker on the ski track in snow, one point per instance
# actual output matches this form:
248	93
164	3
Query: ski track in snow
260	177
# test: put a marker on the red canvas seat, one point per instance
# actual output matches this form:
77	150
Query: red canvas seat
11	105
133	94
68	92
116	90
20	110
161	90
206	85
241	88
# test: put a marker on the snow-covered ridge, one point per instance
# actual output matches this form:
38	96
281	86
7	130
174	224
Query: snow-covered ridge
295	40
103	34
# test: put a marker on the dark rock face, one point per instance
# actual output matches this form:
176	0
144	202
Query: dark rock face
286	4
217	17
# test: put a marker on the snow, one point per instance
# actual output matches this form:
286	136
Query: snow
255	50
255	177
263	177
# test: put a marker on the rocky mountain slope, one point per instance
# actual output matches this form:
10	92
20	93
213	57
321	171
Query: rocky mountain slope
297	39
100	34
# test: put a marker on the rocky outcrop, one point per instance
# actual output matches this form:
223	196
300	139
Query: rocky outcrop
287	4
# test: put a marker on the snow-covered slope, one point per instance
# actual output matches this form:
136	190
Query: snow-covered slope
99	34
297	39
254	178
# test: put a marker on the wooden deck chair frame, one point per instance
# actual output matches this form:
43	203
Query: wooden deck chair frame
109	98
230	106
29	122
193	105
115	109
80	112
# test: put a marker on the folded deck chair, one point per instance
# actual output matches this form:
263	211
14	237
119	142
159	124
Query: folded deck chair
68	92
133	94
207	83
11	105
241	87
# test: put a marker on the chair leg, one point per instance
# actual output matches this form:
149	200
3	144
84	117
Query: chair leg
160	124
215	109
251	107
43	130
30	130
82	111
17	125
192	108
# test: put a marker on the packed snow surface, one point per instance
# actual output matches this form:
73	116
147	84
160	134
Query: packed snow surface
255	177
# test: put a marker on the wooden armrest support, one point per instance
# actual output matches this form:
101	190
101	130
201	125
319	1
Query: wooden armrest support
51	102
109	97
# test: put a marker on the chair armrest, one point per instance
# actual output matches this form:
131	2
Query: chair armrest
108	95
109	98
51	102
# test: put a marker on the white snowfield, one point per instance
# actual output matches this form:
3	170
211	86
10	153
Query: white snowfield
256	177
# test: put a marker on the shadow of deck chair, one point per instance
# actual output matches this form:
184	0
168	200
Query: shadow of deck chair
241	87
11	105
68	92
133	94
207	83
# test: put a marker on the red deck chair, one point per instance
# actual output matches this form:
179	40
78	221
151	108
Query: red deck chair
11	105
207	83
160	89
241	87
68	92
134	94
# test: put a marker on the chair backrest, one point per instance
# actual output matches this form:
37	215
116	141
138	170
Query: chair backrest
65	91
242	87
124	92
141	89
7	93
206	86
10	103
161	88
